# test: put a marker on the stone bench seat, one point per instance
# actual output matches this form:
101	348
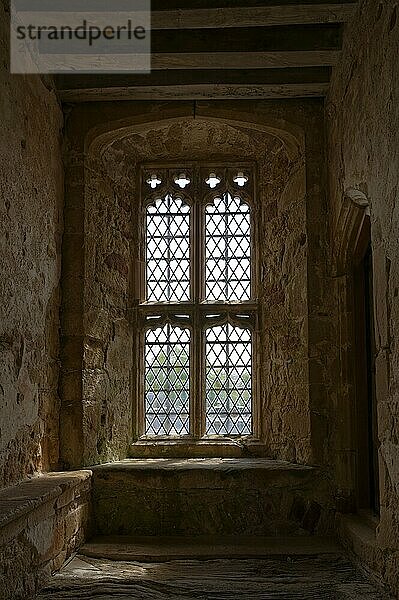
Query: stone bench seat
208	496
42	522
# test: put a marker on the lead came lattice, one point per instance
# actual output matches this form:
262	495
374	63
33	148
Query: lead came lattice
228	250
228	381
167	381
168	251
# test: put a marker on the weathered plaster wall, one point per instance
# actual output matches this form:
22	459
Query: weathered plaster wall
30	230
104	143
363	153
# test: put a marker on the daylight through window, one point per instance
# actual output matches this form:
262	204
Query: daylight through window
198	308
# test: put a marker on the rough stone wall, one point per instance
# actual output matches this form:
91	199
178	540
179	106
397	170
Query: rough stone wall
363	145
30	230
100	245
107	352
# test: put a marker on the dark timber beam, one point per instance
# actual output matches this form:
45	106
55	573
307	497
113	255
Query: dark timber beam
166	5
245	60
289	38
234	48
218	60
257	39
190	85
197	92
165	78
256	16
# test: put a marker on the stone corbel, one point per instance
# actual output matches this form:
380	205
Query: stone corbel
348	230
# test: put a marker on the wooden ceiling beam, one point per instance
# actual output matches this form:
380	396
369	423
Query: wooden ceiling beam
254	48
256	16
196	85
212	76
245	60
204	61
196	92
256	39
231	40
163	5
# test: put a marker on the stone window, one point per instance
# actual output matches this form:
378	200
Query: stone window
197	310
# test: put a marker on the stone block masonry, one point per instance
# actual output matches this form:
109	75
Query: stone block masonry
191	497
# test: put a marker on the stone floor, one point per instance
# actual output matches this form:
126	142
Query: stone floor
324	577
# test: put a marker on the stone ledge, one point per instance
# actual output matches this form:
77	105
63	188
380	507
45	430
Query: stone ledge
199	464
160	549
202	448
42	522
22	499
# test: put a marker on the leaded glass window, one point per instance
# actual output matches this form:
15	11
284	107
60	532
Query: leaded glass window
228	380
168	250
228	249
167	380
197	311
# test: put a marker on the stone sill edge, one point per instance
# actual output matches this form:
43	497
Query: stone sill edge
21	501
203	448
200	463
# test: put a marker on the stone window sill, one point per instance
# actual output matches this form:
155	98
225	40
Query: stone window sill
204	448
200	464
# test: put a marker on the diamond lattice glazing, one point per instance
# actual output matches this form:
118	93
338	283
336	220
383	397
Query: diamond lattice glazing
168	251
167	381
228	381
228	250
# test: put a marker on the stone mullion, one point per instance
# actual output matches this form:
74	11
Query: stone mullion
197	365
197	376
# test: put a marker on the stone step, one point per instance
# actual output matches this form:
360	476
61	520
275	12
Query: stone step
161	549
192	497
